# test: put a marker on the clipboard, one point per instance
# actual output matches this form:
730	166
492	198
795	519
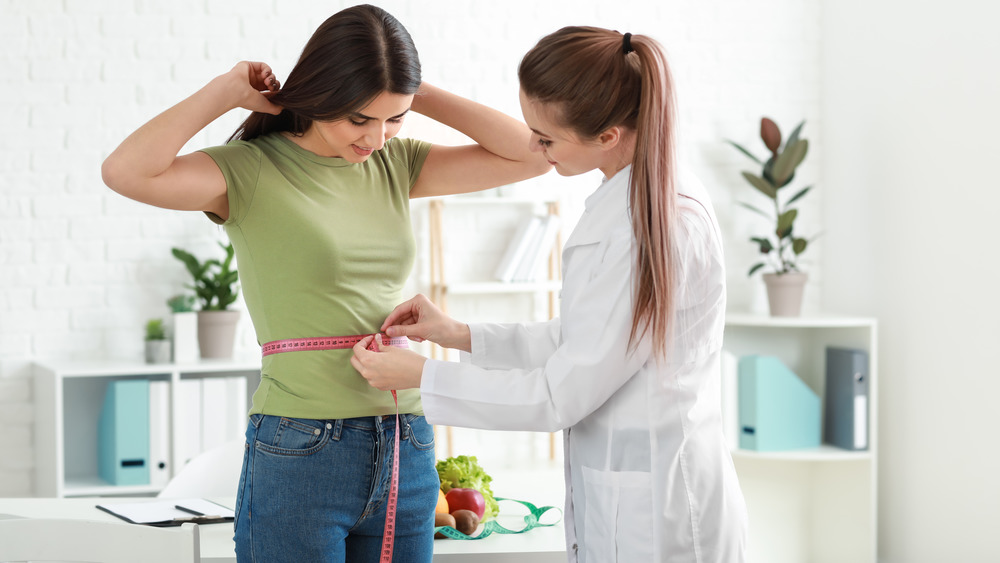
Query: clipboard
172	512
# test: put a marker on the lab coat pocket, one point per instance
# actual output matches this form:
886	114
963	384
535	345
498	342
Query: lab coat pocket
618	524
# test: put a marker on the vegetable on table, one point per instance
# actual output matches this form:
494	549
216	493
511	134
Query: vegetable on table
466	521
442	505
466	499
464	472
443	519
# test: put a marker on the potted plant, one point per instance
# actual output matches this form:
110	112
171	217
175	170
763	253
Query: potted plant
185	328
786	282
157	345
216	286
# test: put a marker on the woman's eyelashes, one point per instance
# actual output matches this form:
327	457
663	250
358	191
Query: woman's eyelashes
544	143
363	122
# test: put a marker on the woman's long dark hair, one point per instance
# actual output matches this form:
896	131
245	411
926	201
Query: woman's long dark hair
595	83
355	55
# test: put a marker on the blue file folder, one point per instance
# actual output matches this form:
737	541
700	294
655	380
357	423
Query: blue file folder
123	433
777	410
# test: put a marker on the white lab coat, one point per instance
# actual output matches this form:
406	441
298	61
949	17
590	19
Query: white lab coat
648	473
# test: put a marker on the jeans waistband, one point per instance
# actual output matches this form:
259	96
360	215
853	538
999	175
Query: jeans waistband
376	423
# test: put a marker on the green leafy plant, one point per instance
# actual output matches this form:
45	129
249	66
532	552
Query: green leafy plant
181	303
155	330
777	172
215	282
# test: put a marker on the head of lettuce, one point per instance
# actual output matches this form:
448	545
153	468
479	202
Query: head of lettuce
464	472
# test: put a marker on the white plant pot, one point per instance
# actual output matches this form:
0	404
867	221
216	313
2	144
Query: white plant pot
784	293
217	333
186	338
157	351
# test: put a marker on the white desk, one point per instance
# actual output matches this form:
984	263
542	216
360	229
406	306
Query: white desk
541	545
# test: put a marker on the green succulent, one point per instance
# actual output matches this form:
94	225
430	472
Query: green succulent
215	282
155	330
181	303
777	172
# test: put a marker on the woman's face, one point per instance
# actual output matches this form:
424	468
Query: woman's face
569	154
361	133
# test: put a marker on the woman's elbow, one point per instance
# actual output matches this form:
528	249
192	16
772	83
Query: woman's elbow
535	165
113	175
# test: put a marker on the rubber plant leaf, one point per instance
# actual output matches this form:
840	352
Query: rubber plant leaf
754	268
744	151
765	245
788	160
796	197
754	209
770	134
761	184
785	221
799	245
795	134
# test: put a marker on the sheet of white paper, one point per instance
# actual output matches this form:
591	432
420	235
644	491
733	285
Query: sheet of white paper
166	510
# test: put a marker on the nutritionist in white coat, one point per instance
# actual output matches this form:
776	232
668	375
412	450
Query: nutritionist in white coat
630	369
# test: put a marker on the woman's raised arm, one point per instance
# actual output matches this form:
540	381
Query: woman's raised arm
501	155
146	166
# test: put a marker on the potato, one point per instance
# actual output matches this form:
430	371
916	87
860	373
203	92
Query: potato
466	521
442	519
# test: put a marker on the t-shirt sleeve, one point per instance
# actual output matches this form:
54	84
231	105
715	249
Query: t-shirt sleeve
410	153
240	164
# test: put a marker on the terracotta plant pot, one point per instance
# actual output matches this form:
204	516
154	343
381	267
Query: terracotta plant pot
784	293
217	333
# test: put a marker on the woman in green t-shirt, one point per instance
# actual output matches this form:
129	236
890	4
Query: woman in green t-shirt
314	193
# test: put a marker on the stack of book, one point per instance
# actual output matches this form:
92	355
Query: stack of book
529	249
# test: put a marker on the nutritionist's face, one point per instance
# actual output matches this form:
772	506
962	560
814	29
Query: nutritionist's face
361	133
561	147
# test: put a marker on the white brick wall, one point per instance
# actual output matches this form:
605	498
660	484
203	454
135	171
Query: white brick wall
82	268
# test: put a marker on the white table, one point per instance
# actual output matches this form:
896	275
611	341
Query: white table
541	545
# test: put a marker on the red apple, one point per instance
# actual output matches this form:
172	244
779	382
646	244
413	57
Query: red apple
466	499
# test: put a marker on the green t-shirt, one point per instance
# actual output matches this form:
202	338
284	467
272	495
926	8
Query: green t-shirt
323	248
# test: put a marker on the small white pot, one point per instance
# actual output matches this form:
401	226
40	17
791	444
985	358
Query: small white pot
157	351
186	338
784	293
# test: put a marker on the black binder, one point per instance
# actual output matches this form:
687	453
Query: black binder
846	399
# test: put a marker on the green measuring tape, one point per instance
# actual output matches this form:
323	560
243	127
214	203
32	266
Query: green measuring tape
531	521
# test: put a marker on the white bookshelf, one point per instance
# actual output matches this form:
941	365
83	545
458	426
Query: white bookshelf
817	505
455	293
443	283
68	401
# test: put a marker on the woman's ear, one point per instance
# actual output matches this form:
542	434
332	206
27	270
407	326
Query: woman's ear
610	138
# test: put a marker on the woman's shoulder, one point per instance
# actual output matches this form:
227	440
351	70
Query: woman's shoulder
405	148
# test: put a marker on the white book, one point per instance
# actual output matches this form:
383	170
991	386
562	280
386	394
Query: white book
215	408
237	407
730	399
523	272
159	433
187	422
516	249
542	249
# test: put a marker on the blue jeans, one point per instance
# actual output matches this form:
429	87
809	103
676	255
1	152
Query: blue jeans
316	490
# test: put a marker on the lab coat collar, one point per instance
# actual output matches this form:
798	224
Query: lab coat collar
603	210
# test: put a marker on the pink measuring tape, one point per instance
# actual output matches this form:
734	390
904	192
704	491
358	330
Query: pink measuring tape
326	343
341	343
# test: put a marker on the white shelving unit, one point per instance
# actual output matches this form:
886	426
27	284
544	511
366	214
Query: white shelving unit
443	286
68	401
815	505
440	286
